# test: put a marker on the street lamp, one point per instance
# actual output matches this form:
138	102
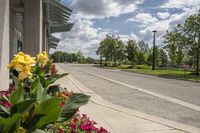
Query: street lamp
154	50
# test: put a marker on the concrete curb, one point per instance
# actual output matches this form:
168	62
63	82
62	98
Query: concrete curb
96	99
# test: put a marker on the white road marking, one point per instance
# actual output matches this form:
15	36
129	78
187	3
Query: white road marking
174	100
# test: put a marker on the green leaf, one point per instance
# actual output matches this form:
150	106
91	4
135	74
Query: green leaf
22	107
4	111
17	95
41	93
16	81
38	91
7	123
38	131
53	89
34	85
51	79
51	109
72	104
39	71
5	98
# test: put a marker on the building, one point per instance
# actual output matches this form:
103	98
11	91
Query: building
28	25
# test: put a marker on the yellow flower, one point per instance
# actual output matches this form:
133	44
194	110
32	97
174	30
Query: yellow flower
22	75
22	130
42	58
22	63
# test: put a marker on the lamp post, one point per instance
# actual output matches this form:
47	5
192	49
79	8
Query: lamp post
154	50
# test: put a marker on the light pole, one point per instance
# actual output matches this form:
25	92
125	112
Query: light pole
154	50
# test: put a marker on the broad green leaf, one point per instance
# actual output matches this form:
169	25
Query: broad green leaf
38	91
4	111
43	82
7	123
38	131
41	93
53	89
23	106
51	79
17	95
34	85
16	81
51	109
5	98
39	71
72	104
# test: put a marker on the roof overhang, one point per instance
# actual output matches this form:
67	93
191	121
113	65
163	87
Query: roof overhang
57	14
61	28
53	45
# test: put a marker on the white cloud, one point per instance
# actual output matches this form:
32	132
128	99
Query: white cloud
144	18
163	15
180	3
91	9
83	37
167	23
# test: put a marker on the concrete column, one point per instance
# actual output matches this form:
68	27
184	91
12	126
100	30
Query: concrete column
44	48
33	23
4	44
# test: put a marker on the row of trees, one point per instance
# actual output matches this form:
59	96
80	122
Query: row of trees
71	57
112	49
182	46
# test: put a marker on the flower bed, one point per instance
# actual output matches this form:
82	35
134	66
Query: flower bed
33	104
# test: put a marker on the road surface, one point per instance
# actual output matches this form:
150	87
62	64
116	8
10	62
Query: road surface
171	99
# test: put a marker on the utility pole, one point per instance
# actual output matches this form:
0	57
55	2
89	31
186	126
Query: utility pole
154	50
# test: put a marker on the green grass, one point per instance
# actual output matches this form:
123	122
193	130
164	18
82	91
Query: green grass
179	74
168	73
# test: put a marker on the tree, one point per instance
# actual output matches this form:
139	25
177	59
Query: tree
191	30
112	49
142	52
132	51
163	58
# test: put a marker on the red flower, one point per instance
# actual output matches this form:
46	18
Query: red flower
53	69
73	125
6	104
61	131
84	115
62	104
83	127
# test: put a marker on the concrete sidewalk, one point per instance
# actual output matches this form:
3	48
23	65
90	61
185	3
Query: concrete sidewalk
117	119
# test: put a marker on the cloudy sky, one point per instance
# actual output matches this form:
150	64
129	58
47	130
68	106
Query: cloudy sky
133	19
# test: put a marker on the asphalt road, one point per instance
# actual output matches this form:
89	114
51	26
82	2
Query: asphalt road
188	92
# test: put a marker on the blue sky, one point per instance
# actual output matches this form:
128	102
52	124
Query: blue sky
134	19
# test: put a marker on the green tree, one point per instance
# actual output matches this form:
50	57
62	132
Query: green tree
132	51
163	58
112	49
191	30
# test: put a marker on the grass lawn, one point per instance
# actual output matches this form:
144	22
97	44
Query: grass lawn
179	74
170	73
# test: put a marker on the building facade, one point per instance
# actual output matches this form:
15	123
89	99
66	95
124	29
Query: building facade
28	25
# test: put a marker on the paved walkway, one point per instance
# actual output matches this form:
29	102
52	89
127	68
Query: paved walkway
118	119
